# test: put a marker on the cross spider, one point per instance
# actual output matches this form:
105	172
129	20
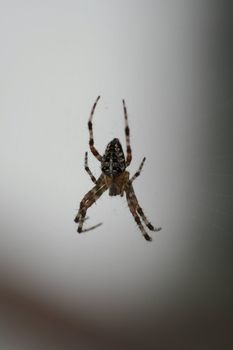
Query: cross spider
113	177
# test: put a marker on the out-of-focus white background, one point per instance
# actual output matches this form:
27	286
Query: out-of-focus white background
172	62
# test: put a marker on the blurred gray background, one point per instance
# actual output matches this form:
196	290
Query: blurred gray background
109	288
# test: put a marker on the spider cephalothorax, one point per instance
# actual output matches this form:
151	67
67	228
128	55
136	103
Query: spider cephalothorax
114	177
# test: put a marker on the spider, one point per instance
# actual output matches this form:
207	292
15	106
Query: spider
114	178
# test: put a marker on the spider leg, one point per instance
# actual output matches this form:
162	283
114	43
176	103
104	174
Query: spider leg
91	138
148	224
127	136
137	219
88	170
92	227
87	201
136	210
138	172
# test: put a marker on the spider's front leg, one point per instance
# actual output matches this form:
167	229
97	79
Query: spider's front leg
91	137
127	136
136	210
93	179
87	201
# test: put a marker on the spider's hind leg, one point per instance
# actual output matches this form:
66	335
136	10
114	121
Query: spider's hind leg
87	201
89	228
136	210
138	221
132	203
148	224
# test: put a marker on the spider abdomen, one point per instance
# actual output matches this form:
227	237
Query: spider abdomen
113	161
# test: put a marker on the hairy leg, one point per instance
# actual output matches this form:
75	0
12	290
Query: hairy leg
136	210
127	136
138	172
138	221
91	138
92	227
88	170
148	224
87	201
